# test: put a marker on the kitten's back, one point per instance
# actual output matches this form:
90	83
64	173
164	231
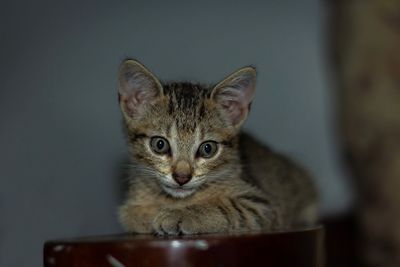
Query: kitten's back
287	184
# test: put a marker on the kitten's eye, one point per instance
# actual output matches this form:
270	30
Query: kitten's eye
159	145
207	149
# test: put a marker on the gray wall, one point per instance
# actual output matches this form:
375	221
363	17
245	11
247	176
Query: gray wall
61	143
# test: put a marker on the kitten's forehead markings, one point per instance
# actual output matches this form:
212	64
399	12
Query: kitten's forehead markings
173	140
202	132
168	133
197	139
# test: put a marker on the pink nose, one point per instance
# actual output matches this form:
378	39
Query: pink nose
181	179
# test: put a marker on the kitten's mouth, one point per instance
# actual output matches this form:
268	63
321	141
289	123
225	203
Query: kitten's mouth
178	191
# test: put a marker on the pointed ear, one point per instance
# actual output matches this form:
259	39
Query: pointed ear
137	87
235	93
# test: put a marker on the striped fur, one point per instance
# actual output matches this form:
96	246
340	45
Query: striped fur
244	187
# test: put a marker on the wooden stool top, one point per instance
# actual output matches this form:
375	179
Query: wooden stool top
277	249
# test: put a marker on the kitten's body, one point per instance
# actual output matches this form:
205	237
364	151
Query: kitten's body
286	184
242	187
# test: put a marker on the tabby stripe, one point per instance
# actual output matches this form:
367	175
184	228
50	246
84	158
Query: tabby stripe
228	143
170	107
255	199
242	218
137	136
225	214
259	220
202	111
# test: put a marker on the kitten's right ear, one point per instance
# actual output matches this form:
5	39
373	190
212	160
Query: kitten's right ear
137	87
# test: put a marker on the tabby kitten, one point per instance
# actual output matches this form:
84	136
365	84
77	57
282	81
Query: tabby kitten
193	170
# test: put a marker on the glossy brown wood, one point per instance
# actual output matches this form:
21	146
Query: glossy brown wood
279	249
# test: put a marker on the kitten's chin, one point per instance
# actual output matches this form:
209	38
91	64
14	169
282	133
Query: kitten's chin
178	192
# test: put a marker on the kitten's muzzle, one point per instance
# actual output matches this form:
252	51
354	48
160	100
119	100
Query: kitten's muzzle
182	172
181	179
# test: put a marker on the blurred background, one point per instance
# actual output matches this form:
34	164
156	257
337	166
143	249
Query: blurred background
62	148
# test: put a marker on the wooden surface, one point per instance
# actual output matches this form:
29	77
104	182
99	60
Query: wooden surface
279	249
341	243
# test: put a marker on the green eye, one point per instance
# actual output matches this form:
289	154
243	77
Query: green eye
207	149
159	145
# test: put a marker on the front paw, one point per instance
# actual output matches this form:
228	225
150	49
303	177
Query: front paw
174	222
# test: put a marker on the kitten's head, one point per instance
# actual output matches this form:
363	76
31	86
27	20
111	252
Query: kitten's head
184	135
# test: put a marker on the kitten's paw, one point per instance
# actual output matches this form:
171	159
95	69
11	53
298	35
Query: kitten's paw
167	222
173	222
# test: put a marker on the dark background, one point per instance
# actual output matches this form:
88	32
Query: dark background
62	150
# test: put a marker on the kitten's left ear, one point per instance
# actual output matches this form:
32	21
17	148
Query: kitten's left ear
235	93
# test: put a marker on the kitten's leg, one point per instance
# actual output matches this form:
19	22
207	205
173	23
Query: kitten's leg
137	218
255	212
242	213
193	219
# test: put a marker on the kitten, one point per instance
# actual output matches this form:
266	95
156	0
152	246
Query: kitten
194	171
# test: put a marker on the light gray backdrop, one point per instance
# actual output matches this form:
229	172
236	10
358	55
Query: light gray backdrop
61	144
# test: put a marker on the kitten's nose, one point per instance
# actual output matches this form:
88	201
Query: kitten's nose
181	180
182	172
